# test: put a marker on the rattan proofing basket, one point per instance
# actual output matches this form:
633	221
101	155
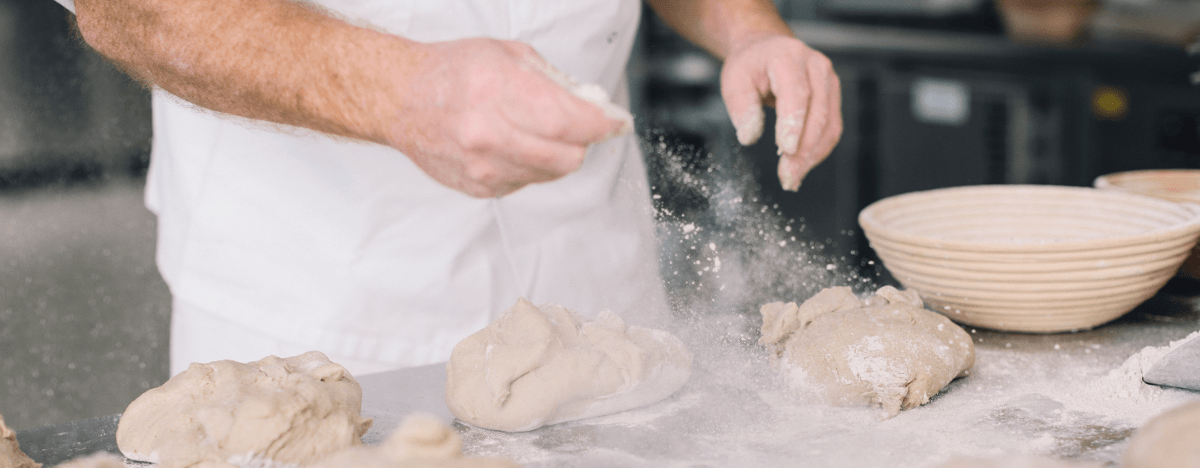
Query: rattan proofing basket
1178	185
1031	258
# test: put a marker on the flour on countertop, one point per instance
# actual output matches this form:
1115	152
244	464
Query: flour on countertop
1025	396
1125	382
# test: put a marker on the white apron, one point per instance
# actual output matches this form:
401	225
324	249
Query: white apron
279	242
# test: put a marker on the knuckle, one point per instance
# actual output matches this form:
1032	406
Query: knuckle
804	93
473	136
821	62
560	164
820	65
573	161
479	191
482	172
558	129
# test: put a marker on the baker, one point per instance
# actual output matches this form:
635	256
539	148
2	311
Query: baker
377	179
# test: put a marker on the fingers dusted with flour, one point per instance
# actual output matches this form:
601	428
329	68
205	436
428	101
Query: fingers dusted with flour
780	70
480	116
765	65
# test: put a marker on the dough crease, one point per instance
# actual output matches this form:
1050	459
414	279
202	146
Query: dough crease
536	366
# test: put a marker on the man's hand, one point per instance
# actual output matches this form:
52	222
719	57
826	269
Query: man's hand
781	71
481	116
766	65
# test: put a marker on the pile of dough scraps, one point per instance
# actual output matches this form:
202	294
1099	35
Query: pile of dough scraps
421	441
271	412
536	366
886	350
95	460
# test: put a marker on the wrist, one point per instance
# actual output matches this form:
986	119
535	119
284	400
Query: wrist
758	29
372	76
734	24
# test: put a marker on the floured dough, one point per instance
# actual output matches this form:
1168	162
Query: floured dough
95	460
886	350
538	366
10	451
1170	440
271	412
421	441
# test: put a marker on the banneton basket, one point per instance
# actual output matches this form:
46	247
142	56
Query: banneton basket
1178	185
1031	258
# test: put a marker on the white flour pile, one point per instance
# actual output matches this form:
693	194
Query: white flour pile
1126	383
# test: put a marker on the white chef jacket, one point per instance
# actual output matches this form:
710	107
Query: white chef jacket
279	240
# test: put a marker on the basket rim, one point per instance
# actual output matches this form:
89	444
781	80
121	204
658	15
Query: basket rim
1111	180
872	226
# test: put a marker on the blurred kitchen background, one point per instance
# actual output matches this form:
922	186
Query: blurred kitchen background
935	93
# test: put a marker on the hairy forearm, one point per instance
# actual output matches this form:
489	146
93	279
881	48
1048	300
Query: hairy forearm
271	60
721	25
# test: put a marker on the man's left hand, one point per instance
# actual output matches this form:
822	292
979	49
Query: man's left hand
781	71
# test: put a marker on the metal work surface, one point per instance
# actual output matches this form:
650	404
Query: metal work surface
1066	396
51	445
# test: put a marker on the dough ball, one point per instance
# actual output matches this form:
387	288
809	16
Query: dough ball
421	441
96	460
538	366
287	411
886	350
11	455
1170	440
1015	461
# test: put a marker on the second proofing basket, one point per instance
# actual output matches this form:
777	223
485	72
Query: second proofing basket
1178	185
1031	258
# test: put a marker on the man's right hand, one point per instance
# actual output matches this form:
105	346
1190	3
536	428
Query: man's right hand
480	116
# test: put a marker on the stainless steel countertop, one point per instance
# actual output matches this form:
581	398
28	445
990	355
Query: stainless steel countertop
1028	394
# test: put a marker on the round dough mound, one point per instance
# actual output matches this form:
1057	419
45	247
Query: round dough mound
270	412
1170	440
10	451
886	350
538	366
421	441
